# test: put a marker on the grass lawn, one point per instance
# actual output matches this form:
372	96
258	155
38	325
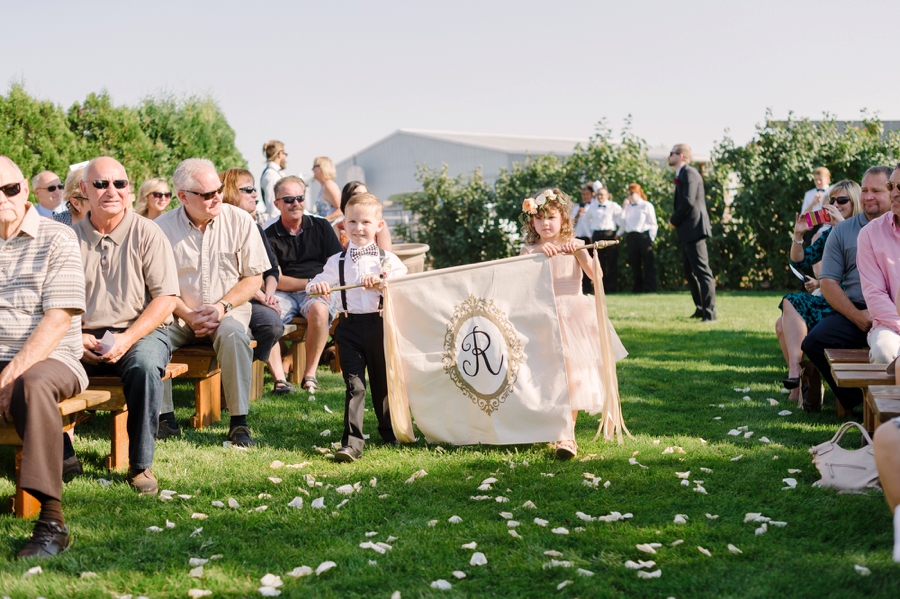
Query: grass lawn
679	378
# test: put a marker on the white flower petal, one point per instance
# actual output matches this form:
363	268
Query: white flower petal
197	531
541	522
197	572
790	482
197	593
197	561
103	482
748	434
472	545
325	433
276	464
454	519
734	549
325	567
506	515
705	552
33	571
646	548
560	531
784	413
441	584
680	519
583	572
764	440
300	572
512	523
863	571
773	402
318	503
712	517
683	474
296	502
154	528
512	532
489	481
327	409
89	575
737	458
218	504
585	517
654	574
459	574
478	559
261	508
268	591
563	585
701	490
232	503
676	543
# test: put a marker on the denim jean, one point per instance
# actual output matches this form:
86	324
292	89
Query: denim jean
141	370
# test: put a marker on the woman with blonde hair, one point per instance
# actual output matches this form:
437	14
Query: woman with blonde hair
74	200
328	203
265	318
276	161
153	198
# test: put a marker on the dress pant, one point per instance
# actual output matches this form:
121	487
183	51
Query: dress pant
360	341
231	341
838	332
701	281
141	370
609	260
266	328
640	257
34	406
587	286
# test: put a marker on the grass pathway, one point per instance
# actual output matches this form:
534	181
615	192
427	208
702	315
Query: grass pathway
679	379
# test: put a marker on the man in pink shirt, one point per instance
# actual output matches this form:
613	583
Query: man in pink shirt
878	263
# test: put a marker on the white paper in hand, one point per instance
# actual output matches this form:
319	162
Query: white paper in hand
106	343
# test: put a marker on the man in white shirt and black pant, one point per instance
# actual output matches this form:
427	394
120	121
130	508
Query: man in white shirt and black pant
812	199
605	223
360	332
638	224
583	225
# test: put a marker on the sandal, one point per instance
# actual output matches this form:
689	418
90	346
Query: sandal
566	450
309	383
283	387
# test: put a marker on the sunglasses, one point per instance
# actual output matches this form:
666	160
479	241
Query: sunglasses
104	184
160	195
209	194
291	199
247	189
12	189
892	186
52	188
840	200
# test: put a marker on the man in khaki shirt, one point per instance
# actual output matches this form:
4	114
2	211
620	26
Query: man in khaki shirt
130	290
220	259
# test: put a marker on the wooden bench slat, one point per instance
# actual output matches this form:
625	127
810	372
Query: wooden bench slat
839	366
836	356
861	379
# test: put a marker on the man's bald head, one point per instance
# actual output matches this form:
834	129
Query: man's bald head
48	189
7	166
97	167
13	197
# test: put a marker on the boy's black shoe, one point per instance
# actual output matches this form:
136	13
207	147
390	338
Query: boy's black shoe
240	437
347	454
47	540
391	443
166	430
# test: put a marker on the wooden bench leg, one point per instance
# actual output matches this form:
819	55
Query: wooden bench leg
118	437
298	355
208	401
25	505
257	384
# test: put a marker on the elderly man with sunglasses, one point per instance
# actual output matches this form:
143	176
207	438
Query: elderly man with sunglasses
302	244
41	302
48	189
879	272
131	286
220	259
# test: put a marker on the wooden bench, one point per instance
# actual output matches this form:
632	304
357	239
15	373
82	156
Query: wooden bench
118	418
257	386
23	504
884	403
862	376
298	350
841	356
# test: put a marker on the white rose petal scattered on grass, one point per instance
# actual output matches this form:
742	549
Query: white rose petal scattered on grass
89	575
274	480
197	561
755	517
264	496
198	516
318	503
342	504
790	482
154	529
558	564
33	571
196	532
327	409
683	474
747	398
784	413
501	499
485	487
529	505
454	519
432	523
345	489
705	552
395	595
560	531
639	565
606	484
472	545
296	502
764	440
541	522
459	574
197	593
371	534
776	523
773	402
583	572
170	524
553	553
232	503
512	532
166	495
737	458
441	584
197	572
563	585
268	591
325	433
300	572
646	548
761	530
506	515
701	490
548	474
734	549
478	559
717	417
712	517
261	508
634	462
218	504
276	464
325	567
489	481
676	543
512	523
748	434
373	547
384	546
863	571
415	475
680	519
654	574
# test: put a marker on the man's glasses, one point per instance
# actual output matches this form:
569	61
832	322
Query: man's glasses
160	195
12	189
674	153
840	200
104	184
52	188
291	199
247	190
892	186
207	195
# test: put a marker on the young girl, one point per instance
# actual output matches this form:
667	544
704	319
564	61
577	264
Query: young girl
548	229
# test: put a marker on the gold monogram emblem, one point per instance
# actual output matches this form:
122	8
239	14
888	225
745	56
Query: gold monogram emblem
482	353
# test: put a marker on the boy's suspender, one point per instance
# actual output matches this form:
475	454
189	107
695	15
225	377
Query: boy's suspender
342	281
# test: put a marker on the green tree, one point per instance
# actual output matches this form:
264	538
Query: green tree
34	134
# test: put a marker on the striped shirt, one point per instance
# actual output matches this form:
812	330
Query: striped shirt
40	270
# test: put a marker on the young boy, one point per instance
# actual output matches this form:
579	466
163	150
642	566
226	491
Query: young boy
360	331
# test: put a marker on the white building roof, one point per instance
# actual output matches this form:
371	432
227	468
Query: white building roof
512	144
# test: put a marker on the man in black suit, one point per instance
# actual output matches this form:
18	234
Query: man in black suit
691	222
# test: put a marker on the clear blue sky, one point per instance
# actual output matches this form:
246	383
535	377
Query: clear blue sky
329	78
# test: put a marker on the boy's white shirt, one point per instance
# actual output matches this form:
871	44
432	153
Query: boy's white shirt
359	300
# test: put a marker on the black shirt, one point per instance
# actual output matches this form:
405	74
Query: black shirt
304	255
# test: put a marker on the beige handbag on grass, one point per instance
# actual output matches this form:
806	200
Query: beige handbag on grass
845	469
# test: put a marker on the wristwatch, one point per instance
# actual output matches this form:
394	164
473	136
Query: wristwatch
227	305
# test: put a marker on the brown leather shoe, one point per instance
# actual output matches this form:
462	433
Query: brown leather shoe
143	481
47	540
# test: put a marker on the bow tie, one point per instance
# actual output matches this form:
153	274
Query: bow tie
820	190
369	250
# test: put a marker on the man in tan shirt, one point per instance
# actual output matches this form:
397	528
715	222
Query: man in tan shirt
41	302
220	259
130	292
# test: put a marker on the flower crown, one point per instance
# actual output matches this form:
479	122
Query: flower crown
531	206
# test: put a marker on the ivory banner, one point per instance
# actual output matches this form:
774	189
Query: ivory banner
474	352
